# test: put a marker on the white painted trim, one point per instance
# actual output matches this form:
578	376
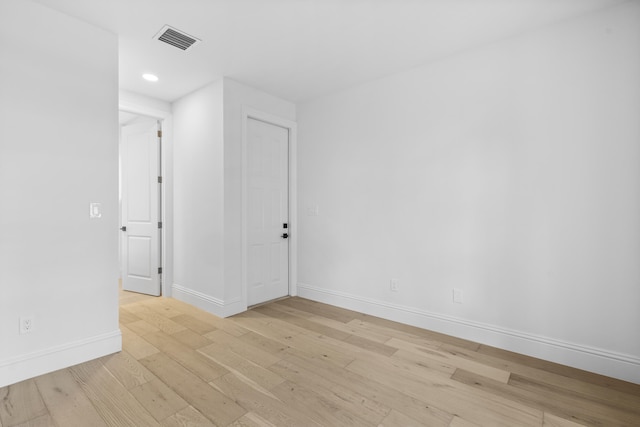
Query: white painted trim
143	110
208	303
247	113
51	359
617	365
167	184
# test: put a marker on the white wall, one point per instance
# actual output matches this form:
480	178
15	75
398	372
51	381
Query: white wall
58	153
207	192
198	197
237	96
510	172
142	103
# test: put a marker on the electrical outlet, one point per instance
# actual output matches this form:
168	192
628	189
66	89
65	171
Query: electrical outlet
458	296
394	285
26	325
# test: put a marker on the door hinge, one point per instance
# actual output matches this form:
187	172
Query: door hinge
159	134
159	180
159	224
159	270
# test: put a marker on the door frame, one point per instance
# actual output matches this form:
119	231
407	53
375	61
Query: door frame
291	126
141	130
166	190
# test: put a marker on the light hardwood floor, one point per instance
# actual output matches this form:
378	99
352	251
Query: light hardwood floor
300	363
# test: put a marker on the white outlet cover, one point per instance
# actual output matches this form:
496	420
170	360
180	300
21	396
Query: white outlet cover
27	324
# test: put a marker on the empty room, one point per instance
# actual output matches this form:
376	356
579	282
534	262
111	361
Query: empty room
319	213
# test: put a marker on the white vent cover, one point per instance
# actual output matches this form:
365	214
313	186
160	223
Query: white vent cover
176	38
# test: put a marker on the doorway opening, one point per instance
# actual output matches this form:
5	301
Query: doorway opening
140	195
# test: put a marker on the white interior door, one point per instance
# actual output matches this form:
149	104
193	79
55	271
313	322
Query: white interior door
140	208
267	211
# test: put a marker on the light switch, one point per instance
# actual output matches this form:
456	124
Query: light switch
95	210
458	296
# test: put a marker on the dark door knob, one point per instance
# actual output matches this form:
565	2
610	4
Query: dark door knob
285	235
123	228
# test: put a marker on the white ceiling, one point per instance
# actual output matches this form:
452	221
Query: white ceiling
301	49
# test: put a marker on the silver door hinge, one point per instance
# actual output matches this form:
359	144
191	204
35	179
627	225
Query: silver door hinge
159	270
159	180
159	224
159	134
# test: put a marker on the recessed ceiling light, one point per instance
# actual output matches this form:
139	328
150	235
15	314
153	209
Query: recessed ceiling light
150	77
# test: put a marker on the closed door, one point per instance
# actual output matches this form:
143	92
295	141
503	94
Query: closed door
140	208
267	211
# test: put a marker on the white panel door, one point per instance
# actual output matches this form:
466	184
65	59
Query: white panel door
267	211
140	206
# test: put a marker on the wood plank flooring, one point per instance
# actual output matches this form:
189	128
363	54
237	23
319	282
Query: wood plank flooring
295	362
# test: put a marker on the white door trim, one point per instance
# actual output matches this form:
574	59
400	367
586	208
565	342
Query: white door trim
251	113
166	189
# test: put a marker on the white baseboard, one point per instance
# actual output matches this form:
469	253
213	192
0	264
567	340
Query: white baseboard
51	359
208	303
604	362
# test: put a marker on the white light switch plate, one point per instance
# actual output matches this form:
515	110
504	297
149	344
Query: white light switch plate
458	296
95	210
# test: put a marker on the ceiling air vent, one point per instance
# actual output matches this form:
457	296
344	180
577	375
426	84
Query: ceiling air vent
176	38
